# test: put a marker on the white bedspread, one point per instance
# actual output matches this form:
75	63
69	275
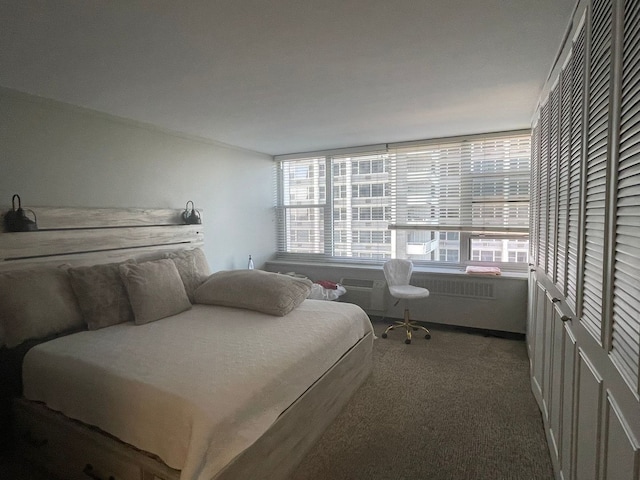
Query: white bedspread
197	388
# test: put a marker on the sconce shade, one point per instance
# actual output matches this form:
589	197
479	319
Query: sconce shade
190	215
16	220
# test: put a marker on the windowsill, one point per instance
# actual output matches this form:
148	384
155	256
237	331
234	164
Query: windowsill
439	270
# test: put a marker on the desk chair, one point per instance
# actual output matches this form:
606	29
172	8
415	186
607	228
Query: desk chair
397	272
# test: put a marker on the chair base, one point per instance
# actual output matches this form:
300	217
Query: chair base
409	327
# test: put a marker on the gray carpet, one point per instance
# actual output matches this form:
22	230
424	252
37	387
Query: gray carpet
458	406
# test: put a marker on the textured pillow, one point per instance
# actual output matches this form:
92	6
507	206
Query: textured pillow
101	295
265	292
193	268
37	303
155	290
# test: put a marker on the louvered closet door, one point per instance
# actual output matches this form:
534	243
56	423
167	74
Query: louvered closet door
552	217
566	80
575	167
544	186
535	198
596	174
626	288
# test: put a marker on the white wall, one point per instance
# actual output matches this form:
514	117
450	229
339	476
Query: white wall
53	154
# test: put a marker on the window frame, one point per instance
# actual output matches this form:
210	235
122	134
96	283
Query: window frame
339	166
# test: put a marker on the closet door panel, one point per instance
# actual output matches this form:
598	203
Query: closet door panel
589	394
552	214
548	354
543	219
575	167
531	319
539	345
598	112
623	459
556	381
535	195
569	360
625	333
564	158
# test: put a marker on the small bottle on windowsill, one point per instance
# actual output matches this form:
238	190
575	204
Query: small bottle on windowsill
250	265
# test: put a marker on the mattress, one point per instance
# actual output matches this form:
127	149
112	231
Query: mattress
197	388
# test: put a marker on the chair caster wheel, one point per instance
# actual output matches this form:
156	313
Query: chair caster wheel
427	336
407	341
384	335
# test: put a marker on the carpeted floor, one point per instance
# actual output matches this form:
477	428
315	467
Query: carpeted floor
458	406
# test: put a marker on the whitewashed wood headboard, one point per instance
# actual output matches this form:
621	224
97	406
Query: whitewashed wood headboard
85	236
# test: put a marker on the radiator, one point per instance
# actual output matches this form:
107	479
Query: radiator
463	287
368	294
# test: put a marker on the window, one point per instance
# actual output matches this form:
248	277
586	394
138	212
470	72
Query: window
447	255
340	191
449	200
339	169
339	214
503	249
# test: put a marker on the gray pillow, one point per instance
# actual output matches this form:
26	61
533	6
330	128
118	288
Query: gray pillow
257	290
193	268
37	303
155	290
101	295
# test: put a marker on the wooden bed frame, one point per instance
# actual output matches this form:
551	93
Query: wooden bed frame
72	450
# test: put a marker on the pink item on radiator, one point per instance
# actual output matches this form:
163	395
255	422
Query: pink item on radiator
483	270
327	284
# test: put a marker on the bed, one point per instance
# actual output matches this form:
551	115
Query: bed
211	392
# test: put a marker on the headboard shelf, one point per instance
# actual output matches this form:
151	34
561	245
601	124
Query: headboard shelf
96	235
57	218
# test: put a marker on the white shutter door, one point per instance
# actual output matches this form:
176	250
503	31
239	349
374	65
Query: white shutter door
575	168
563	175
596	175
544	186
626	285
535	197
554	101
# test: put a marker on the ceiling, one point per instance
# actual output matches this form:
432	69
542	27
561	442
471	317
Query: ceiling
284	76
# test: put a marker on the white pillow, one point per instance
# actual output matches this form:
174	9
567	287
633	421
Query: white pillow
193	268
37	303
257	290
155	290
101	295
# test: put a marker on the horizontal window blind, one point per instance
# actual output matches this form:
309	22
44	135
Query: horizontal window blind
362	196
475	185
303	202
411	200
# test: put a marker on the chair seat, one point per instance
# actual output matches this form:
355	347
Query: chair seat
408	291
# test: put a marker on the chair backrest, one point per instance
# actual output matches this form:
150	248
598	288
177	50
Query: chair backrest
397	271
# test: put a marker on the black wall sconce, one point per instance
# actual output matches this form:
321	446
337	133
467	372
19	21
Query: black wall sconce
16	220
190	215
